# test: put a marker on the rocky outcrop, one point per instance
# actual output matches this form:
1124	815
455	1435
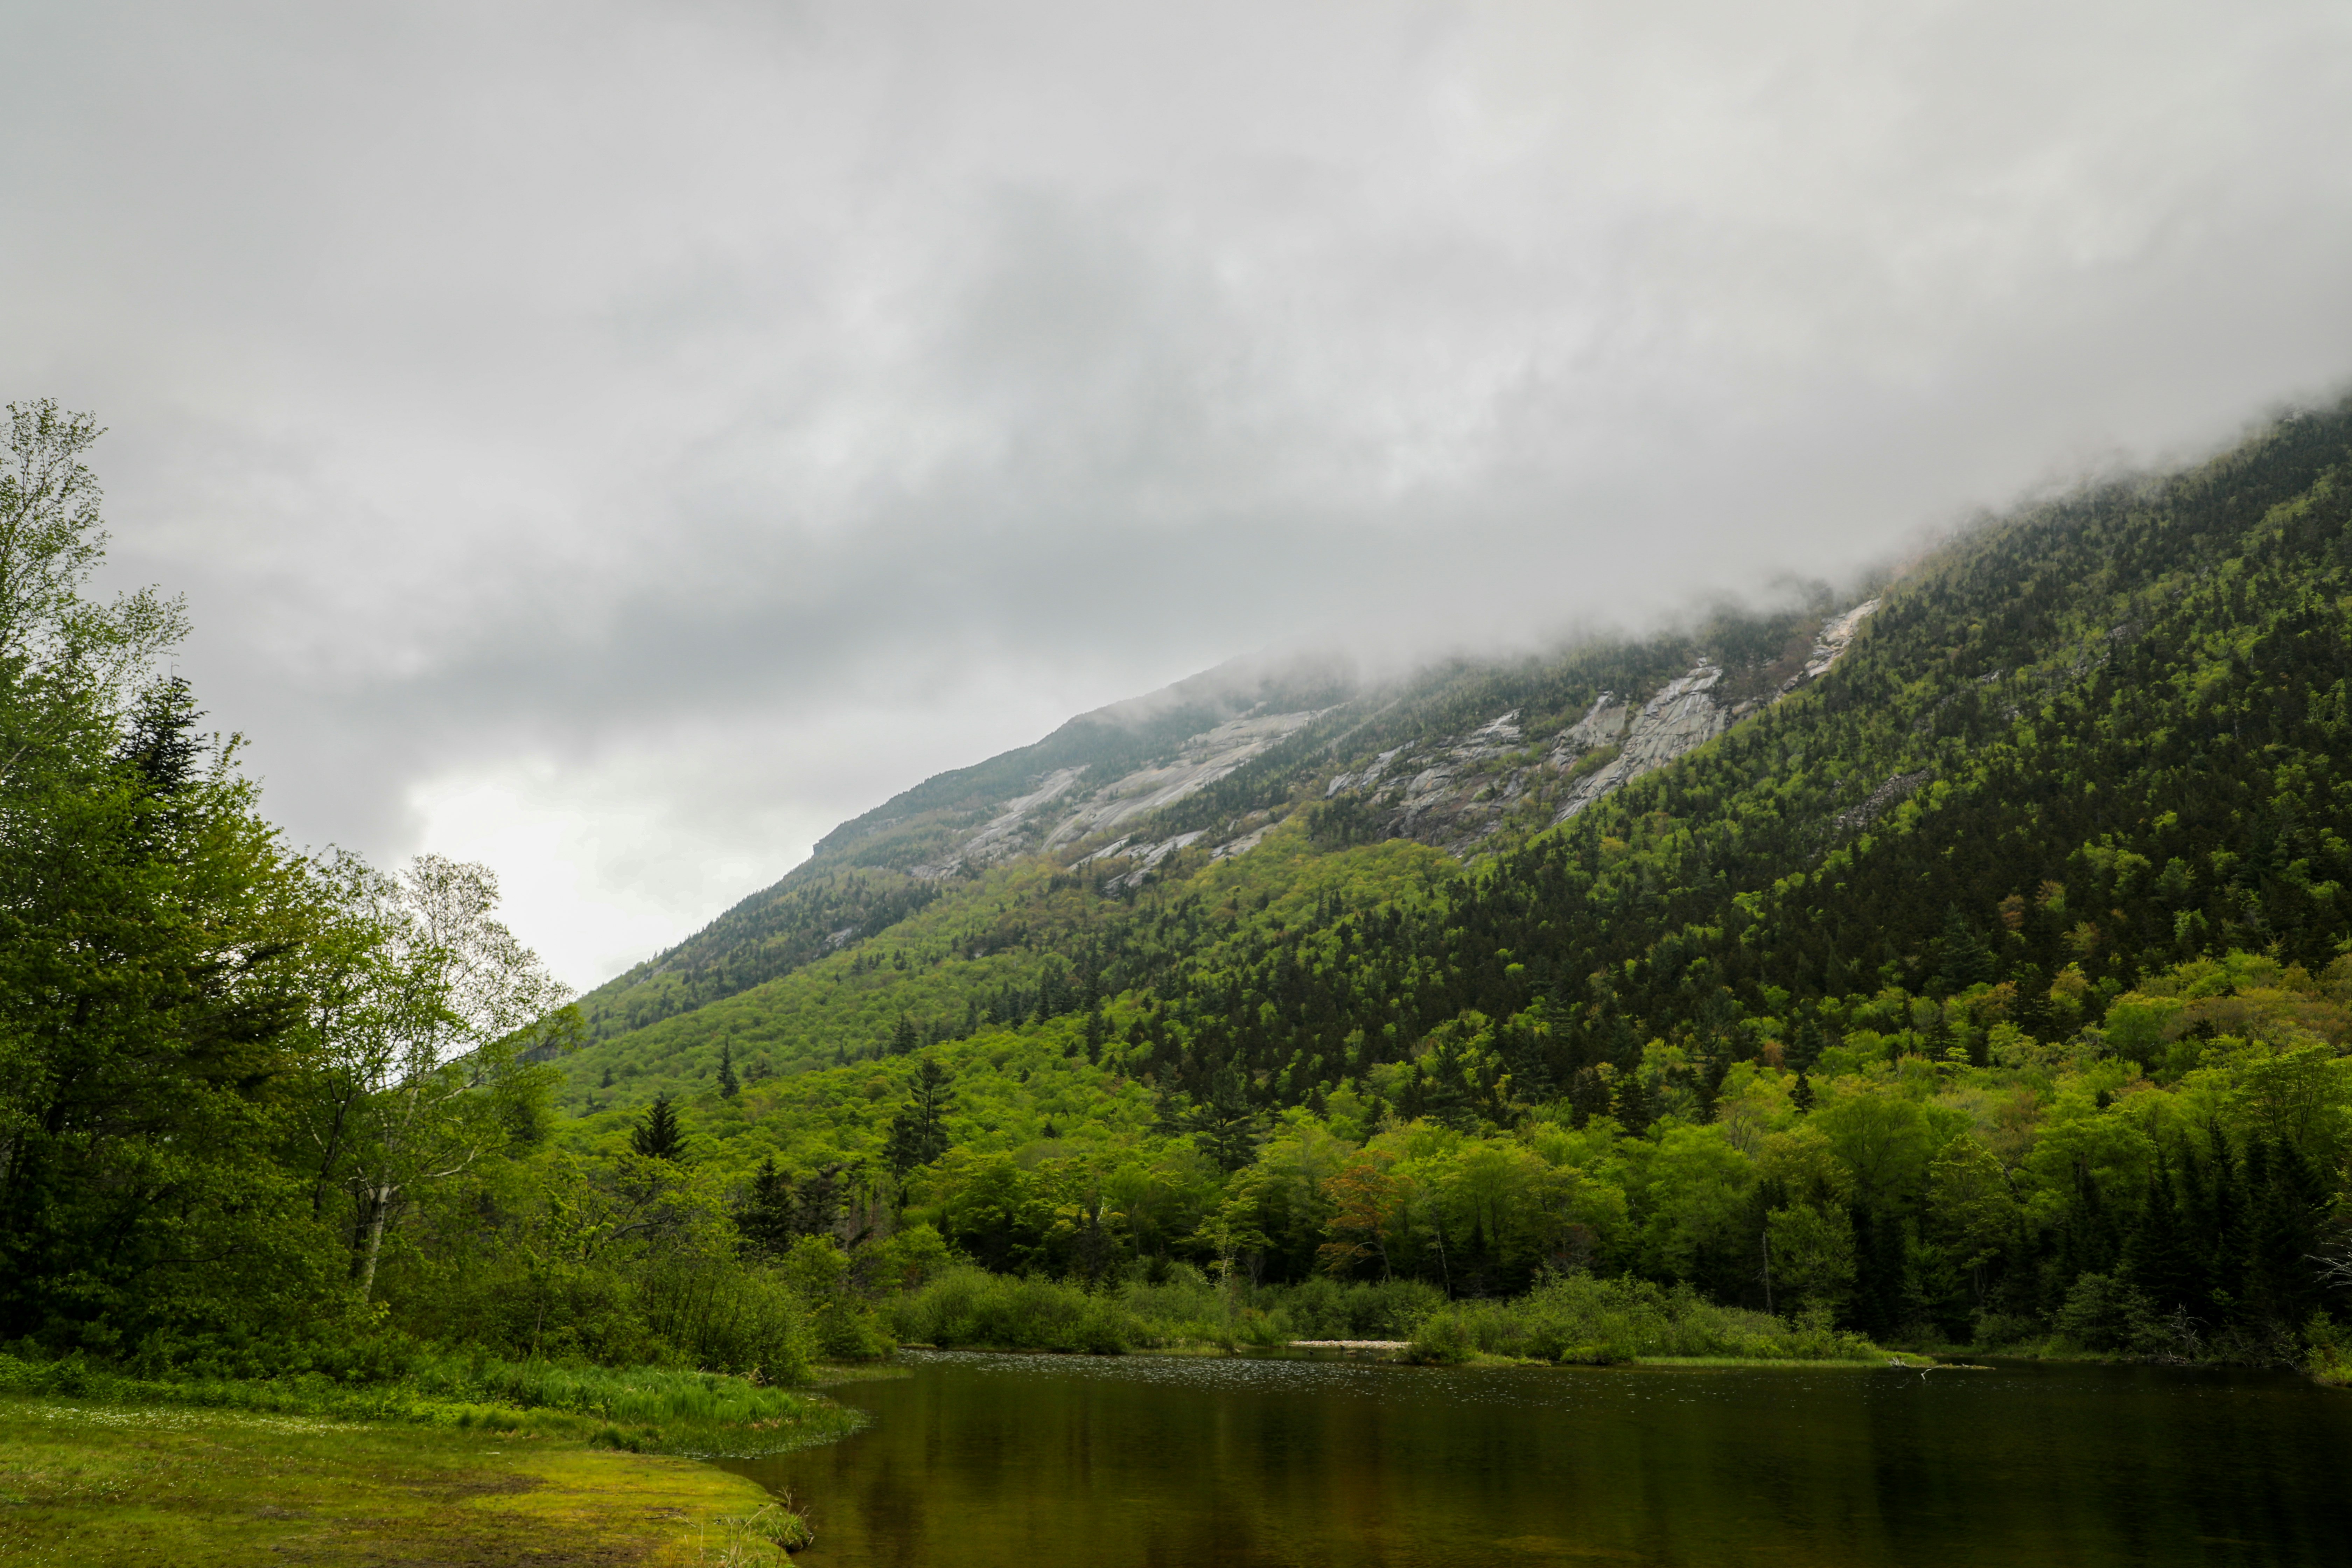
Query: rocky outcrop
1059	811
1202	760
1143	859
1453	792
1006	834
1894	790
1831	642
1681	718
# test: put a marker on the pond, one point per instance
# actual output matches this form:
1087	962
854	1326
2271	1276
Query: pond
1043	1461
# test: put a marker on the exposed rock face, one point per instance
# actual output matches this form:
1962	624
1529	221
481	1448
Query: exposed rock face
1059	811
1894	790
1145	858
1204	760
1452	792
1681	718
1005	835
1834	636
1456	791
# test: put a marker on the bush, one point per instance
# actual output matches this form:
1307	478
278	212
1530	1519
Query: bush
848	1331
1329	1310
967	1307
1181	1304
1443	1339
2328	1352
2104	1314
2005	1329
1583	1320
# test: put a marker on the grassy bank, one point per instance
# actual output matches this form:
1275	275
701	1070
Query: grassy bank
86	1483
643	1410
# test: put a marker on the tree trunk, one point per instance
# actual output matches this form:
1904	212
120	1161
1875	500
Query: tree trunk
379	1205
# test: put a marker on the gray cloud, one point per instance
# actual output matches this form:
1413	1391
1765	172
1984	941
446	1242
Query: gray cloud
620	441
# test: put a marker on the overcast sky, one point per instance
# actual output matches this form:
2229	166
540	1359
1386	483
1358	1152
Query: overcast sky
619	442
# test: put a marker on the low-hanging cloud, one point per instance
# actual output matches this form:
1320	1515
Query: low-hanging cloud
620	441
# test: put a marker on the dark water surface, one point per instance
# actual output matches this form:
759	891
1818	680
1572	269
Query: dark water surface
1058	1462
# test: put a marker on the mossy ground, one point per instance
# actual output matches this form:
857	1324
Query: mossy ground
89	1483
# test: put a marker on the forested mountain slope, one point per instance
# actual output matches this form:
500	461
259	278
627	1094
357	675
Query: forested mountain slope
2049	830
2097	736
1470	756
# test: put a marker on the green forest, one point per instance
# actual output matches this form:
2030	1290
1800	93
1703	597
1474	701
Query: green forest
1992	991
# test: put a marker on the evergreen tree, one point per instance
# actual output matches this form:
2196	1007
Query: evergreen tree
765	1218
1225	1125
163	745
728	1086
919	1133
658	1135
817	1208
2283	1287
2158	1259
1967	959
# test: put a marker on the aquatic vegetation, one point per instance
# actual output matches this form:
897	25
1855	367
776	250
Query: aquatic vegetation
762	1536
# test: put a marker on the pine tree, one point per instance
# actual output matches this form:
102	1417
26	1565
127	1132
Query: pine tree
2157	1258
2282	1232
818	1207
728	1086
765	1218
919	1133
1966	961
163	745
1225	1125
659	1136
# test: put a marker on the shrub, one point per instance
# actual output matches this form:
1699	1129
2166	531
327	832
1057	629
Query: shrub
969	1307
2101	1313
1443	1339
1583	1320
1329	1310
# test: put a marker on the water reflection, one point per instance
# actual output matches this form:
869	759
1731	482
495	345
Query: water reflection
1045	1461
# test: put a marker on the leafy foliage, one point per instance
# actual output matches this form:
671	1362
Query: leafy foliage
1917	997
1994	987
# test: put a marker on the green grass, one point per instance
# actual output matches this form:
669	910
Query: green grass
89	1485
644	1410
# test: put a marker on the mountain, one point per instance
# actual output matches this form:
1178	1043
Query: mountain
1466	758
2105	694
1970	959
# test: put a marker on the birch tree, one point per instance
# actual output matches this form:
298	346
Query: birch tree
432	1029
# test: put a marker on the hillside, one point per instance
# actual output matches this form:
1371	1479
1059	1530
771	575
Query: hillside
2050	700
1468	757
2053	820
